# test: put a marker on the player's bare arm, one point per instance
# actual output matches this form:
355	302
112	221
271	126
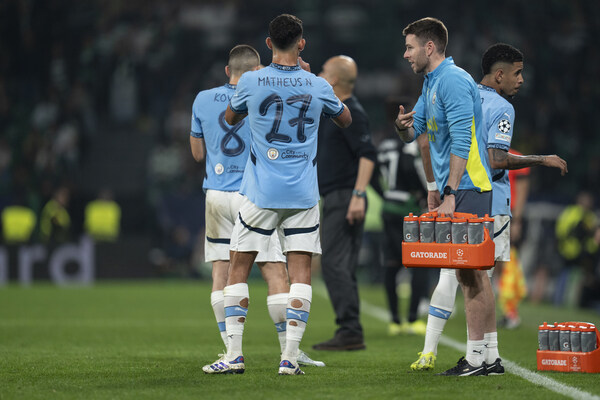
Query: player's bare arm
501	159
198	148
233	118
344	119
404	125
433	196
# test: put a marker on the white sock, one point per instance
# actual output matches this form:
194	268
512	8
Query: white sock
440	309
216	301
277	304
298	309
475	350
236	299
491	347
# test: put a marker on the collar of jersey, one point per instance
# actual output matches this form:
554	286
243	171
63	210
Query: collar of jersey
285	67
229	86
447	61
486	87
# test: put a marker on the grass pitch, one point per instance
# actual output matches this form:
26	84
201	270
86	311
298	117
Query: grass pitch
149	341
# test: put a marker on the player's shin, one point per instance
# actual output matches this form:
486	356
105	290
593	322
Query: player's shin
217	303
236	299
298	309
277	304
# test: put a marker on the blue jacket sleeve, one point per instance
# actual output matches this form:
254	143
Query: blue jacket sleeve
456	93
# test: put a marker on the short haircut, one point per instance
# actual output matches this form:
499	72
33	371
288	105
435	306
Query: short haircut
243	58
499	52
427	29
285	30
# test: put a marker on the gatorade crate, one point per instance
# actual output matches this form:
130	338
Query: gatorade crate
450	255
570	361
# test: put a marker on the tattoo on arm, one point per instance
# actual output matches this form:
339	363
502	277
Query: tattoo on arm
503	159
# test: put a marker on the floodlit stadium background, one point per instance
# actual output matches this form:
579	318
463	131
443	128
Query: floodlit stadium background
97	95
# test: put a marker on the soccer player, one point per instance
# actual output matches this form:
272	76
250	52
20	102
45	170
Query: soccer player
449	112
283	103
225	149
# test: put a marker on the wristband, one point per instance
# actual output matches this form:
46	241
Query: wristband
359	193
432	186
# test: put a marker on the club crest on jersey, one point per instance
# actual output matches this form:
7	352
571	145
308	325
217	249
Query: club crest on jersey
504	126
272	153
219	169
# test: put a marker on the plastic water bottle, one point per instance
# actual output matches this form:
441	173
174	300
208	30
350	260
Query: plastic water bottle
443	229
459	230
475	231
553	344
575	337
411	228
564	337
588	338
427	229
543	337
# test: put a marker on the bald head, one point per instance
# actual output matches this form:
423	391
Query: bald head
340	72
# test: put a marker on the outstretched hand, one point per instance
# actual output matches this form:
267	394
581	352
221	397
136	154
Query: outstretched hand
556	162
303	64
404	120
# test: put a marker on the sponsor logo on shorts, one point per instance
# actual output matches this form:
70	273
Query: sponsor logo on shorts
219	169
272	153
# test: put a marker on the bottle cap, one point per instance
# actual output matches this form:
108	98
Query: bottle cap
443	219
411	217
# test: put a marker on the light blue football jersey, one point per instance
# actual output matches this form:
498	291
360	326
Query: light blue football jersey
284	104
227	147
498	120
449	112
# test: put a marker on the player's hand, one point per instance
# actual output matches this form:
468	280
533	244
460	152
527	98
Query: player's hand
433	200
356	210
556	162
404	120
446	209
303	64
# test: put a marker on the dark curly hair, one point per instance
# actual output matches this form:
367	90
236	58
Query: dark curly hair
499	52
285	30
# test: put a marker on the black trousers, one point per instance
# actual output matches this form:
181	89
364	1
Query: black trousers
341	243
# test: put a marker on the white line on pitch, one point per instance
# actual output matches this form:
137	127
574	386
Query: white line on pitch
535	378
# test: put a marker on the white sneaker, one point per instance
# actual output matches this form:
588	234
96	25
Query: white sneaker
222	366
287	368
305	360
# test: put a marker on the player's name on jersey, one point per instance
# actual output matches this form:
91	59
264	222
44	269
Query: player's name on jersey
283	82
222	98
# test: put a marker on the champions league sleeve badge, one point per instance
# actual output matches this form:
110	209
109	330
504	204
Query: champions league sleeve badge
504	126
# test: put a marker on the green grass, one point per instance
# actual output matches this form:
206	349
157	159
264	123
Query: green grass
150	340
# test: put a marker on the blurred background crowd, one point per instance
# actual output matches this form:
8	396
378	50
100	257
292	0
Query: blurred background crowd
95	105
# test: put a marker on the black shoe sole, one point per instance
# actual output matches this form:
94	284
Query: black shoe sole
349	347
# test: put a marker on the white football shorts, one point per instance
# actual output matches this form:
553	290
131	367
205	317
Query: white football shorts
298	229
222	210
502	237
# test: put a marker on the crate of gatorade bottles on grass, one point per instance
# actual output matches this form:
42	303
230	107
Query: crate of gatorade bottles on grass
568	347
463	241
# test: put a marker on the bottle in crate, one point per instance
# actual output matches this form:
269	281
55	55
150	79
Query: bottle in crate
475	231
575	337
553	343
564	337
443	229
588	337
543	337
426	228
459	230
411	228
